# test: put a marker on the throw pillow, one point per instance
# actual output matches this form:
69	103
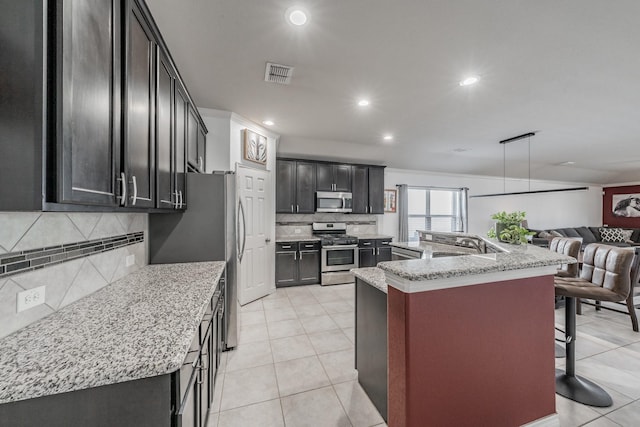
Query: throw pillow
613	235
554	233
627	236
544	234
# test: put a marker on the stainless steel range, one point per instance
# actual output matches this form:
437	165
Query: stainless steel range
339	252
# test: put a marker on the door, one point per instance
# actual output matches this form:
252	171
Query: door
308	266
305	187
139	110
324	177
360	188
255	255
376	190
367	257
180	154
286	268
342	178
202	138
88	133
383	254
192	138
285	186
165	169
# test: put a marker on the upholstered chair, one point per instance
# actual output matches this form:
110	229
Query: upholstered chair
605	276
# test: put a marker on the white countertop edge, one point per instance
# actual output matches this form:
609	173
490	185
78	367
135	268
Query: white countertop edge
415	286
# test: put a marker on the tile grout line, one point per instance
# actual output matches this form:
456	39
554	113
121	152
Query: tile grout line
70	285
25	233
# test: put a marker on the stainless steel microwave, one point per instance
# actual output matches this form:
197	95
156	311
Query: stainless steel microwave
330	201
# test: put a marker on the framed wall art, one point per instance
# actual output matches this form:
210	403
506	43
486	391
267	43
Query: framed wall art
621	206
255	147
390	200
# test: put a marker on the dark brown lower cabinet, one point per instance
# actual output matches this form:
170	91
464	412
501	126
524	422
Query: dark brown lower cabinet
297	263
373	251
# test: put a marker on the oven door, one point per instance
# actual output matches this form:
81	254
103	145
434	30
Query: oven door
339	258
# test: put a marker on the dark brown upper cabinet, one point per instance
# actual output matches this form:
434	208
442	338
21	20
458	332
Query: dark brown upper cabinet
368	189
196	138
91	105
165	138
333	177
139	111
87	115
295	186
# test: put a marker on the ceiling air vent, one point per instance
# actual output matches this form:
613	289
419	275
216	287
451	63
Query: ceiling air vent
277	73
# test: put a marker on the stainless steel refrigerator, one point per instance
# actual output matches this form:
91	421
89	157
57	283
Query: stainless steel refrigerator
206	231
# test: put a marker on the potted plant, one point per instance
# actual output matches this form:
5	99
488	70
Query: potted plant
508	228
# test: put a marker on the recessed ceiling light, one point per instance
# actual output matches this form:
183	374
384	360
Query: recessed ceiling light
296	16
388	137
461	150
568	163
469	81
363	102
268	123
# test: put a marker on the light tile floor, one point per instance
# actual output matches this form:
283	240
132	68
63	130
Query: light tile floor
294	365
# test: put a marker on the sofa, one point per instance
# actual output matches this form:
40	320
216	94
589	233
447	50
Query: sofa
621	237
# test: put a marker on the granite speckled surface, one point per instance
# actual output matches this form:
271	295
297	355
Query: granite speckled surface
514	257
301	238
428	248
373	276
137	327
372	236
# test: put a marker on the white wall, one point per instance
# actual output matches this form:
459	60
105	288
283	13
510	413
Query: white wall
545	210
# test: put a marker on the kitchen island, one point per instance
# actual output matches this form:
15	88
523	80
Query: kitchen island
470	338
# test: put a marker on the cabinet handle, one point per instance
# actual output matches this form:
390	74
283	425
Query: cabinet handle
123	186
134	198
370	210
297	208
181	204
291	208
295	256
300	255
366	243
286	247
377	251
200	162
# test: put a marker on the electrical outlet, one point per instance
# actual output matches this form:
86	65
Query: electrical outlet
30	298
298	231
130	260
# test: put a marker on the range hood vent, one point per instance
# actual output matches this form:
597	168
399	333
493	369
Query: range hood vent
278	73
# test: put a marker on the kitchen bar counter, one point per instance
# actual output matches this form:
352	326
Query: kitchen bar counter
137	327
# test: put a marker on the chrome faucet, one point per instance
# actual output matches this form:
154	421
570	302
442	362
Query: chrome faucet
474	244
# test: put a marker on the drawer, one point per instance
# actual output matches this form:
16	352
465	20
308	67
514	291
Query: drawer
309	246
286	246
383	242
366	243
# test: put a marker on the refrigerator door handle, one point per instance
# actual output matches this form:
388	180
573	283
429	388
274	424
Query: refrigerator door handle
244	231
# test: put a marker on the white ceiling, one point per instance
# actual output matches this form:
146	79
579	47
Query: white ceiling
567	69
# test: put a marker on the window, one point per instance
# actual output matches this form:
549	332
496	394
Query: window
436	209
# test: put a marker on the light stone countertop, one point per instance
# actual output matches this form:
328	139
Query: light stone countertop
371	236
301	238
373	276
427	248
137	327
513	257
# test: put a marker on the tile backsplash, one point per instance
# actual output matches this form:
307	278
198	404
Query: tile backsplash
68	281
289	225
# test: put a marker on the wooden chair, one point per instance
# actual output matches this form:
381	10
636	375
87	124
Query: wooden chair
605	276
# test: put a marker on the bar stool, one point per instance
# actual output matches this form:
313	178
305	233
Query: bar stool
605	276
569	247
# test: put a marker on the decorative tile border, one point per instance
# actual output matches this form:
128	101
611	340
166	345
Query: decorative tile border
23	261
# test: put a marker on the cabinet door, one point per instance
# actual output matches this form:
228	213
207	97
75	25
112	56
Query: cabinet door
305	187
383	254
366	257
309	267
360	189
342	178
165	167
324	177
376	190
285	186
88	105
202	138
139	110
192	138
286	268
180	121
